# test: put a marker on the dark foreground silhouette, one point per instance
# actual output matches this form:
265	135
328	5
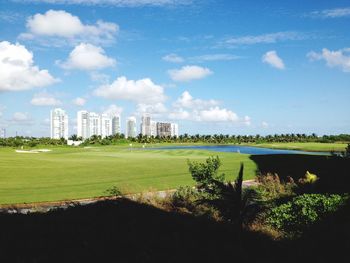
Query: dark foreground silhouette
126	231
334	172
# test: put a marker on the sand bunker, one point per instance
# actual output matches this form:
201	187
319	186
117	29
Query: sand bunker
33	151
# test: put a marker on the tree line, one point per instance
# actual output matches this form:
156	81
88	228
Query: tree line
184	138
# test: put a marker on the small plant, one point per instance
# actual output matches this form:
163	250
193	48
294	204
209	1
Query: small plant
270	187
309	178
114	191
303	211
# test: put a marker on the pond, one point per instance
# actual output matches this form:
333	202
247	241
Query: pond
238	149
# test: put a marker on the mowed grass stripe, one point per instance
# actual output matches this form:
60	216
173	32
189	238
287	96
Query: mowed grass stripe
72	173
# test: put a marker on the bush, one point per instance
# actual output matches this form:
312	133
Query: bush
270	187
303	211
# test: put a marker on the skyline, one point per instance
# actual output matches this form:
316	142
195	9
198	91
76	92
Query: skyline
230	67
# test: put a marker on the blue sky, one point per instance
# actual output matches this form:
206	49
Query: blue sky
232	67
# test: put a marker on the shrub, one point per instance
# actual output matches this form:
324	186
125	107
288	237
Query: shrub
270	187
303	211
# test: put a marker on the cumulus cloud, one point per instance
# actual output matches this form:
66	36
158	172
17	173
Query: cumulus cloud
189	108
139	91
332	13
22	118
87	57
339	58
18	71
215	114
44	99
187	101
120	3
61	24
155	109
273	59
173	58
262	39
113	110
79	101
188	73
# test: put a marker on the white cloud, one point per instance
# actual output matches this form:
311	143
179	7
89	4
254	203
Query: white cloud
139	91
121	3
215	114
173	58
87	57
113	110
188	73
187	101
156	108
214	57
2	108
44	99
79	101
332	13
339	58
61	24
188	108
273	59
21	118
18	71
263	39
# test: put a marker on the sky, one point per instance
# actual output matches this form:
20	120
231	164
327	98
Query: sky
212	66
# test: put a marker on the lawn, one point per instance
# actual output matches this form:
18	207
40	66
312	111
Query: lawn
72	173
305	146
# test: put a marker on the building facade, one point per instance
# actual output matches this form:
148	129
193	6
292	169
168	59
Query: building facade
174	130
59	124
130	127
106	125
2	133
163	129
146	128
83	124
116	128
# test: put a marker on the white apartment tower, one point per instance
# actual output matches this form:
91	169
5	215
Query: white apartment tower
83	124
116	125
174	130
59	124
131	127
146	128
153	128
94	124
106	125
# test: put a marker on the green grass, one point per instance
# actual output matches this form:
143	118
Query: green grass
73	173
305	146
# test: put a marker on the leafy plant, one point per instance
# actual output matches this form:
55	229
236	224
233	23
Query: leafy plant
303	211
270	187
227	197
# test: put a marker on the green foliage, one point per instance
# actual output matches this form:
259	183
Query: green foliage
309	178
270	187
228	198
114	191
303	211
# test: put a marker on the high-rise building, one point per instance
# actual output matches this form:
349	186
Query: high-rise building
106	125
146	125
2	133
59	124
153	128
94	124
174	130
83	124
163	129
116	125
131	127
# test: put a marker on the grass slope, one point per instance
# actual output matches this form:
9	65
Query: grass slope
304	146
72	173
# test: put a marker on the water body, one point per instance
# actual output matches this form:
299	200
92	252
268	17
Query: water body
238	149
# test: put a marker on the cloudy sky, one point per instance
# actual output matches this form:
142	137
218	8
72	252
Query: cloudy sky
213	66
